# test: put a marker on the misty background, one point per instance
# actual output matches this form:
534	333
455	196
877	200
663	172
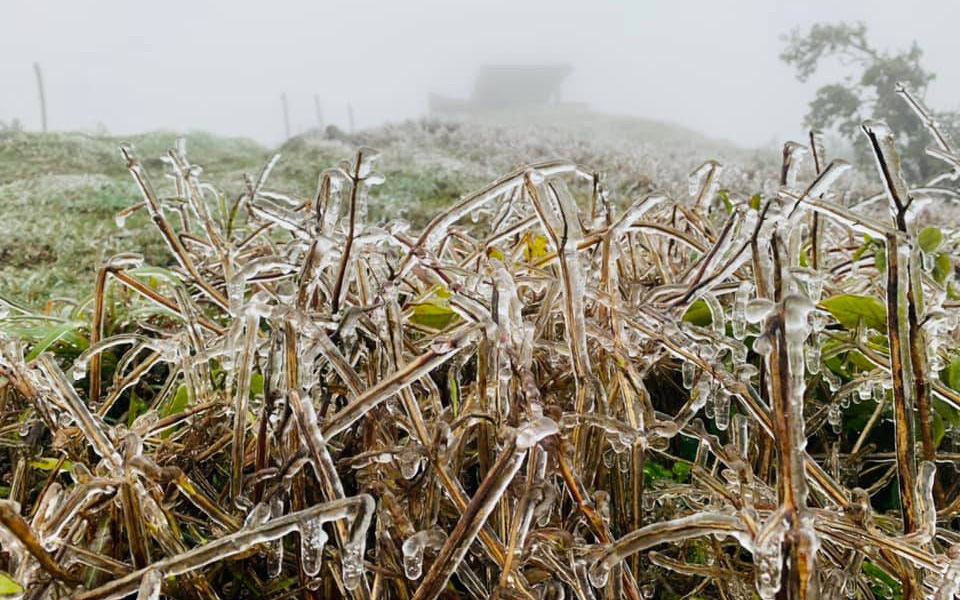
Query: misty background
222	66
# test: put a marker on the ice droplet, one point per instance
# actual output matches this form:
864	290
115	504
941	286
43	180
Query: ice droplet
599	574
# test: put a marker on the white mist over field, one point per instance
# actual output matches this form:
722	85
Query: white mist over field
222	66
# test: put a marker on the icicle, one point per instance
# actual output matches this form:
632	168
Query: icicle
275	547
768	562
414	547
741	434
705	396
739	317
689	371
833	380
835	417
312	541
352	565
722	409
812	354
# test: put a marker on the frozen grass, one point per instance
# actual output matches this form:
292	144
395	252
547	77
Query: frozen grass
562	384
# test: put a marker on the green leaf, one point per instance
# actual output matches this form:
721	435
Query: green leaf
755	202
433	316
930	239
939	428
49	464
536	247
137	407
856	416
880	257
654	471
867	243
881	580
698	314
951	375
59	332
681	471
942	268
256	385
178	404
952	292
724	196
175	407
9	587
948	416
850	309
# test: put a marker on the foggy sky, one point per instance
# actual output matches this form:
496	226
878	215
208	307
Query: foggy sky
221	66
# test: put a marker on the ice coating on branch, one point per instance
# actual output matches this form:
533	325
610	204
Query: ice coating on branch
926	507
410	459
150	586
717	317
757	310
793	155
509	317
883	137
704	182
950	585
534	431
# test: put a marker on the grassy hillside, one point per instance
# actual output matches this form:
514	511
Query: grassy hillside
59	192
58	197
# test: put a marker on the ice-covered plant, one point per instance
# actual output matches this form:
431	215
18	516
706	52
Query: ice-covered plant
536	395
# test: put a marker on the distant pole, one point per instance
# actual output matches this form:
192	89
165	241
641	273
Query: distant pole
318	110
350	115
43	96
286	114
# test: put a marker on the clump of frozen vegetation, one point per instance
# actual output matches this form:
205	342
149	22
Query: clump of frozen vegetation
534	395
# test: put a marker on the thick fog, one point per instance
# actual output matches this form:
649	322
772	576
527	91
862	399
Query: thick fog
222	66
